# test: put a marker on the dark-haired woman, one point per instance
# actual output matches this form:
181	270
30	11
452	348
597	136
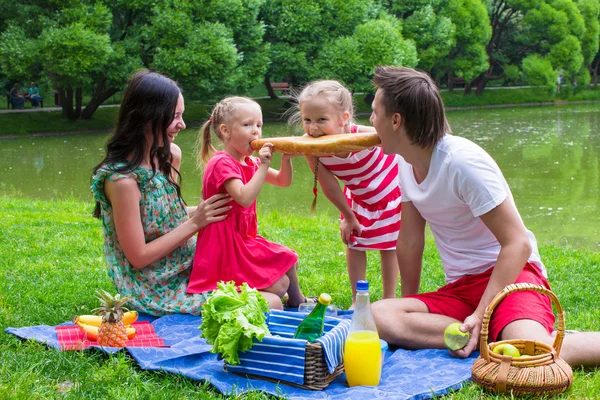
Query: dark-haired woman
149	240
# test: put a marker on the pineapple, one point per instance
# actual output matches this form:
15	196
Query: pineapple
112	331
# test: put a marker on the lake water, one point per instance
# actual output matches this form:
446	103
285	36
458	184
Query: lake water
550	157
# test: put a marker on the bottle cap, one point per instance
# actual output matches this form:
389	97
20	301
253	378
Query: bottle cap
325	299
362	285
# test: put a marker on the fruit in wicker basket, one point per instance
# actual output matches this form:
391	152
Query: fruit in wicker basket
507	349
112	331
454	338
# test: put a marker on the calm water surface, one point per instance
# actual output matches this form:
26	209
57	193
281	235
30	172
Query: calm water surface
549	155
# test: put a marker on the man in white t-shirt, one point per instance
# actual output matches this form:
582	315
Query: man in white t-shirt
453	185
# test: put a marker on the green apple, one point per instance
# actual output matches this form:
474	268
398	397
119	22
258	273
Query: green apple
454	338
507	349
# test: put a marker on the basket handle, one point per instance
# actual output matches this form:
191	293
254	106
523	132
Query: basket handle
520	287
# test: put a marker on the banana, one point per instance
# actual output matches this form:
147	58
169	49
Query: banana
93	320
91	332
131	333
130	317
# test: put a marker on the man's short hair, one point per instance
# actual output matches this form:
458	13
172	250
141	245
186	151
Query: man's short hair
414	95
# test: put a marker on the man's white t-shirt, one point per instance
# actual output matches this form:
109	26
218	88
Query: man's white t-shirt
463	183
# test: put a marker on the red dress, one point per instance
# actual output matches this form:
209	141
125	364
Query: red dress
231	250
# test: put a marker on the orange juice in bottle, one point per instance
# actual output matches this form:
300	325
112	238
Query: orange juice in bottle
362	352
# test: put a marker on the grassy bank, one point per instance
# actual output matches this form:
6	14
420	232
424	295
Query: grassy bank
51	263
196	113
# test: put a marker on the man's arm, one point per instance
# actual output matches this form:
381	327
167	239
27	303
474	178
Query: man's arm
515	249
409	249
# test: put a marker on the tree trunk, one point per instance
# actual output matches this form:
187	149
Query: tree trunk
96	101
483	80
99	96
270	90
594	72
450	82
469	85
78	100
66	101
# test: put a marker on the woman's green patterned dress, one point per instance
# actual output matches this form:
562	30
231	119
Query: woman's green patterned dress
159	288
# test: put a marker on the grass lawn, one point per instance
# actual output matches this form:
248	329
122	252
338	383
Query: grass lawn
197	112
51	264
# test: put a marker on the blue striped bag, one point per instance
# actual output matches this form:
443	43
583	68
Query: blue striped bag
281	358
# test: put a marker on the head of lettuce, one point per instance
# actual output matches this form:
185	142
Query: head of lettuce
232	317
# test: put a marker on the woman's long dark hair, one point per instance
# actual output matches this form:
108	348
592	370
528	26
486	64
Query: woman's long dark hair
149	100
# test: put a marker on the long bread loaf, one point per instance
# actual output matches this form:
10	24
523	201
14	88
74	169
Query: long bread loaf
327	145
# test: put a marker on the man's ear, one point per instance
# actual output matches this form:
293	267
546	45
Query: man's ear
397	121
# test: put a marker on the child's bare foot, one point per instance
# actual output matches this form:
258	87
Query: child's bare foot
291	304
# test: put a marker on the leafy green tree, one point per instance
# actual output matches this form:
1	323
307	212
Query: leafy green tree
351	59
520	28
70	43
433	33
93	46
299	30
590	11
468	57
539	71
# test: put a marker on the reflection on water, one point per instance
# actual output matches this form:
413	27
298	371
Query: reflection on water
549	155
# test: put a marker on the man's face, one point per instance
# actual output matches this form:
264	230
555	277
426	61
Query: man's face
383	124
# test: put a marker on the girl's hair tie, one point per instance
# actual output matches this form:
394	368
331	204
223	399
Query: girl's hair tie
210	119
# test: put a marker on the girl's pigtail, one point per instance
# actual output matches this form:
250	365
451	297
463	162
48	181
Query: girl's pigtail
313	207
204	143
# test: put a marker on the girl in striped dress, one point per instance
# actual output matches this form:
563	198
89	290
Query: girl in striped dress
370	202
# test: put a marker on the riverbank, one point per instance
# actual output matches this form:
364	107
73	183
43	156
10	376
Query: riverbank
52	122
51	264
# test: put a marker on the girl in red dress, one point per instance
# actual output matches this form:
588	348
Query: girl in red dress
232	250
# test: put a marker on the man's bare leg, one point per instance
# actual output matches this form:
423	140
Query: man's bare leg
407	323
578	348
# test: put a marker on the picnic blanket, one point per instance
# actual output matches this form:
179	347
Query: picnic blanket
419	374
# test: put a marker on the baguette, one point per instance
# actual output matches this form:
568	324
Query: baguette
326	145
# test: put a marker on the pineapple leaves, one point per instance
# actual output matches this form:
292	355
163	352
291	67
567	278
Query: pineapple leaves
111	307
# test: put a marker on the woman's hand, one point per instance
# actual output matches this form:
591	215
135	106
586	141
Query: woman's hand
215	208
348	227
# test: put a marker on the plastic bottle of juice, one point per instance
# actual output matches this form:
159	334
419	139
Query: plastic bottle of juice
311	328
362	353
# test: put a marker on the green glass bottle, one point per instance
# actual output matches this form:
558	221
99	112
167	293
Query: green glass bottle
311	328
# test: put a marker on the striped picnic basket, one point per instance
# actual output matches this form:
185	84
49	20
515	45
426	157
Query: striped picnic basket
281	358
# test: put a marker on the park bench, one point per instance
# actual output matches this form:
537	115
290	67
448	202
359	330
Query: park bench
27	99
283	87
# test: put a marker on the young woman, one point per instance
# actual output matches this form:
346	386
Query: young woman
149	240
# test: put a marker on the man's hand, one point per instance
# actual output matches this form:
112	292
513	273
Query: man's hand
472	325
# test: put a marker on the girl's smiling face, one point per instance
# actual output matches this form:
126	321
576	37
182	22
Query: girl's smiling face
321	117
243	127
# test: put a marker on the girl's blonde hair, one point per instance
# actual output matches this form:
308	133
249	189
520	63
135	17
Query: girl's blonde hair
334	91
221	114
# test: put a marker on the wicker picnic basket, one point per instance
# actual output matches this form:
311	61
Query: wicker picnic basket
539	370
316	374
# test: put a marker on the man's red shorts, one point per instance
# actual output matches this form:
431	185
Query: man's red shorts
459	299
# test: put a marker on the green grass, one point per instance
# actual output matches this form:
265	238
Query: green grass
196	112
51	263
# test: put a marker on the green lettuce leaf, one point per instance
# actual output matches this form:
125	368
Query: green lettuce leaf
232	317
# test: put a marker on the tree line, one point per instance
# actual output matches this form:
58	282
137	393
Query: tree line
216	47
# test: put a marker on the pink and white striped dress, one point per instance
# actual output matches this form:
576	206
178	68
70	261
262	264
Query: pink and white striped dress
372	190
